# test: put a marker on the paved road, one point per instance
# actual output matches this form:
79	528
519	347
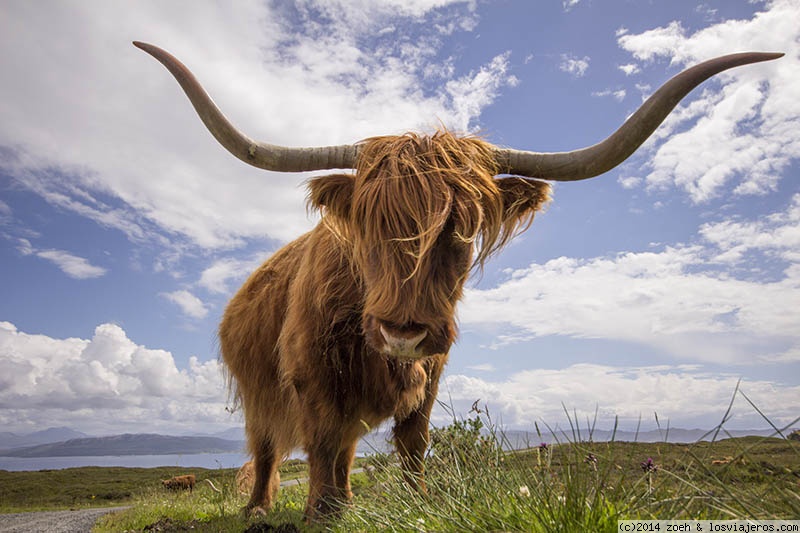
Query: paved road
80	521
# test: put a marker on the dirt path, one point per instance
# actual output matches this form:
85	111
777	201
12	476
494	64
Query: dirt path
80	521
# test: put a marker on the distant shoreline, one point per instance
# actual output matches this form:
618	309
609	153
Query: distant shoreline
195	460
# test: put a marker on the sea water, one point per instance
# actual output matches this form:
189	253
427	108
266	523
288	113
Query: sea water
196	460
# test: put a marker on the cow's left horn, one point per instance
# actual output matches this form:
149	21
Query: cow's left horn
602	157
258	154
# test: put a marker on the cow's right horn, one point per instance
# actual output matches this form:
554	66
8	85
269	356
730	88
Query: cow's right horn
605	155
258	154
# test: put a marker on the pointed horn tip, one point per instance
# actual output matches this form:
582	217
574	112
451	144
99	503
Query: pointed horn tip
151	49
769	56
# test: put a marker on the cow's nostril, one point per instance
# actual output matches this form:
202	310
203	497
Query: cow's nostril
404	340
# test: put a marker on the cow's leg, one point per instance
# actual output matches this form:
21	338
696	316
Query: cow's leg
330	458
341	473
411	435
267	479
411	439
322	491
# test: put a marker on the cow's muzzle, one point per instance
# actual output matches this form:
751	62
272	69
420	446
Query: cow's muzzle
402	341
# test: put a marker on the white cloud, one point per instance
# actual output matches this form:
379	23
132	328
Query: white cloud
105	384
618	95
118	128
696	302
569	4
686	396
190	304
217	277
472	93
738	138
651	43
5	211
72	265
777	235
629	68
629	182
574	65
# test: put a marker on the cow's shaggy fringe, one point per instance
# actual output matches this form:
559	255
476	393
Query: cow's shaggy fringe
408	188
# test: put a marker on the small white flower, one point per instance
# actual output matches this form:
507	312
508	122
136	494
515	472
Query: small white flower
524	491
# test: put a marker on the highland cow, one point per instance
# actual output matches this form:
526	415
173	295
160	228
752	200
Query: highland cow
179	483
351	324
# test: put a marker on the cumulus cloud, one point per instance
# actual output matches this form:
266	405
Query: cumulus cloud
685	395
190	304
674	300
745	133
574	65
108	380
155	173
629	68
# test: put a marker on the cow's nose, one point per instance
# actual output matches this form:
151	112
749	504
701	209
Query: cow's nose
402	341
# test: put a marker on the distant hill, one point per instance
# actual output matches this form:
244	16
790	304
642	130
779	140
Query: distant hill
523	439
12	440
128	444
378	441
236	433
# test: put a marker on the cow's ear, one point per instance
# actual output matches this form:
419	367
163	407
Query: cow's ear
522	197
332	193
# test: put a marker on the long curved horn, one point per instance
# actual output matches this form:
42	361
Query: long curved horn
605	155
258	154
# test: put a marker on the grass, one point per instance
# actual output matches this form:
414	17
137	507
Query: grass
476	486
572	485
581	486
74	488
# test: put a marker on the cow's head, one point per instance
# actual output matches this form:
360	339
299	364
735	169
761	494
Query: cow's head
420	210
417	213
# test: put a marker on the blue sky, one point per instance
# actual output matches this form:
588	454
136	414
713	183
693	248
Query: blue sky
125	228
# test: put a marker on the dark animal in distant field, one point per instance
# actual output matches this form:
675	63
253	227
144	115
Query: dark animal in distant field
180	482
351	323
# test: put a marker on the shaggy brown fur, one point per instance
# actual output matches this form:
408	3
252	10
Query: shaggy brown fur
311	339
245	478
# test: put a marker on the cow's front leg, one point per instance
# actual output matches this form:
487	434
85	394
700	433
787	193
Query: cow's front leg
411	440
267	478
323	494
411	433
341	473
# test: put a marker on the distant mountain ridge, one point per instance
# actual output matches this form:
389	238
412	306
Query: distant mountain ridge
128	444
10	440
379	441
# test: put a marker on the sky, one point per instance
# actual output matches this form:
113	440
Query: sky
643	296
